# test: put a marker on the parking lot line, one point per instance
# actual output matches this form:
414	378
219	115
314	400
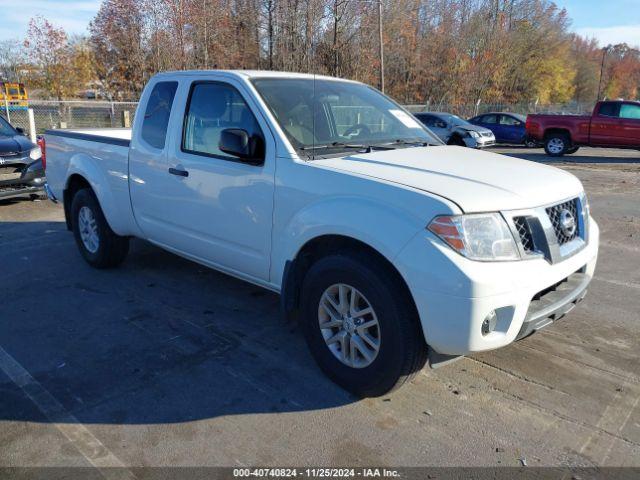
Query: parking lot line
92	449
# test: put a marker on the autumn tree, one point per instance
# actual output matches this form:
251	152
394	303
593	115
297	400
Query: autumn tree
12	60
447	53
48	49
117	42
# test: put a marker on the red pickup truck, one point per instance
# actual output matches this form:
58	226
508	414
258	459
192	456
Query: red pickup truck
613	124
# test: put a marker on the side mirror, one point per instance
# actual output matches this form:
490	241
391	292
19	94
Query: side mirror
20	130
237	142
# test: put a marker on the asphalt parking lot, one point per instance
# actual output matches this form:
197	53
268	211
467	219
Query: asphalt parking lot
163	362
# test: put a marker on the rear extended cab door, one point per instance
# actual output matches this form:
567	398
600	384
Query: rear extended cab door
630	124
196	201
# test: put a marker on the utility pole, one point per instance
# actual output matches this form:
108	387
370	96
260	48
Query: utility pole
205	13
605	50
381	45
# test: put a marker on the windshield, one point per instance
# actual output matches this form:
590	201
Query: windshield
6	129
334	116
455	120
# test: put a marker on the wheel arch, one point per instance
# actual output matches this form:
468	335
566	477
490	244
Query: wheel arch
319	247
456	138
84	172
75	182
557	130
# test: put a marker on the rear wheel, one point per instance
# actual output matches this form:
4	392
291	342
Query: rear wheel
98	244
557	144
360	325
572	150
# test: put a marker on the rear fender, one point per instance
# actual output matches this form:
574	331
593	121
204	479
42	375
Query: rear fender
87	167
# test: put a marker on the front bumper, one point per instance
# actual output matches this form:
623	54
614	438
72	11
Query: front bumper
455	295
20	179
482	142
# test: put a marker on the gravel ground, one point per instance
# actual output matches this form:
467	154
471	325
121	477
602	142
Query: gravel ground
163	362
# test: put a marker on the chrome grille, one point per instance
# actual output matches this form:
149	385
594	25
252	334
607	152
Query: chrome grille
555	215
524	231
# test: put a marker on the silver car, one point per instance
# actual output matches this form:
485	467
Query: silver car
454	130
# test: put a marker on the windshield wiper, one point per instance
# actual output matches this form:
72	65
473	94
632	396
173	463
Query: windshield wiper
414	143
357	146
335	145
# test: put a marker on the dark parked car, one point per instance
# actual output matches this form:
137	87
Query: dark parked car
507	127
21	163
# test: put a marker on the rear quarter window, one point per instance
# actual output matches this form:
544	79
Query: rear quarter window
156	115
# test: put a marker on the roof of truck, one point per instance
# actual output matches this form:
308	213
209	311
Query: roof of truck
255	74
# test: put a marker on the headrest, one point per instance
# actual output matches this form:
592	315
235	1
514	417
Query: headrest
209	102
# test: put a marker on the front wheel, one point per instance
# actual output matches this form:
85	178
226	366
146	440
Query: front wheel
360	325
98	244
572	150
557	144
531	143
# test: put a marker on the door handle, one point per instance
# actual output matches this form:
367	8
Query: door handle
178	172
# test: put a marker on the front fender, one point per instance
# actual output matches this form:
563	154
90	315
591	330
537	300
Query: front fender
384	227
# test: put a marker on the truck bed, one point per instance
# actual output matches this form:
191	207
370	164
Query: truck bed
98	154
116	136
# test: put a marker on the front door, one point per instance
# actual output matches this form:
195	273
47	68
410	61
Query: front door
215	207
511	129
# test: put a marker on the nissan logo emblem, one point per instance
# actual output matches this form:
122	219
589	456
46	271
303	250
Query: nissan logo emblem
567	223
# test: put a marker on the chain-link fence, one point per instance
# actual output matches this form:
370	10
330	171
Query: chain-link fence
97	114
72	114
472	109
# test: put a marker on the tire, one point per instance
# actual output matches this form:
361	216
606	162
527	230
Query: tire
402	350
531	143
572	150
104	249
557	144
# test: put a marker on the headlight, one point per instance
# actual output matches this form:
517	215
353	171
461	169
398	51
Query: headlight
474	134
585	205
482	236
35	153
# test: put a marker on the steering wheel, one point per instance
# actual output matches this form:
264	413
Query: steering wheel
359	127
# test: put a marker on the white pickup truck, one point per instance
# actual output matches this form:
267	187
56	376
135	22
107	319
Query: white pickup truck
388	247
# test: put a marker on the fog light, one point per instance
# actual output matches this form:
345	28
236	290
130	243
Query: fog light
489	323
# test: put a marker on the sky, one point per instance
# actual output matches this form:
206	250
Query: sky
608	21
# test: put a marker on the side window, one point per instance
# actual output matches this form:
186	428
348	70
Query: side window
439	123
427	120
214	107
609	109
507	120
629	110
490	119
156	116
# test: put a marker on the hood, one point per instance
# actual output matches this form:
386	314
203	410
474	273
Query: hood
473	128
476	181
14	144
